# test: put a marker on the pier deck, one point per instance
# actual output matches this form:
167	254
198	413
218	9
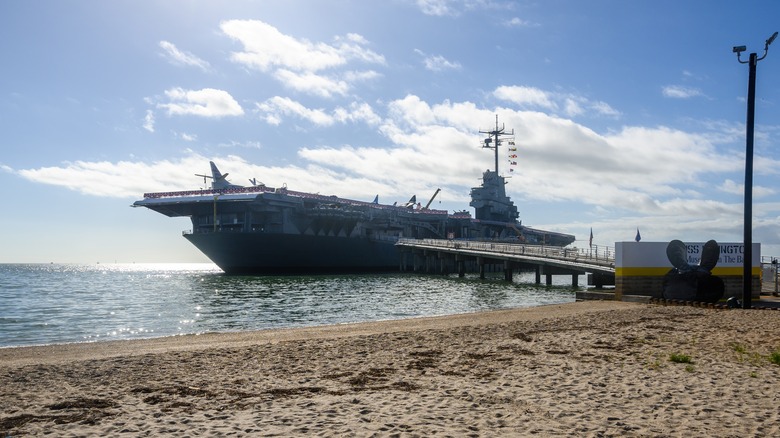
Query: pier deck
442	255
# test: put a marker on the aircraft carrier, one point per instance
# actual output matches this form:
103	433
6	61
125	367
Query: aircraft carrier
265	230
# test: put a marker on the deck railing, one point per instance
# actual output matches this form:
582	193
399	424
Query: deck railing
597	254
264	189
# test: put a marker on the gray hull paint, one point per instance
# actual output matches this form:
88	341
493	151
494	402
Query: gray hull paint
255	253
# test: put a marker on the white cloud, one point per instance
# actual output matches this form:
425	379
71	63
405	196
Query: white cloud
604	109
122	179
437	7
244	145
568	104
437	62
526	96
352	47
265	47
178	57
126	179
572	107
274	109
357	112
689	75
206	102
149	121
357	76
440	63
729	186
518	22
680	92
188	137
734	188
454	8
312	83
305	66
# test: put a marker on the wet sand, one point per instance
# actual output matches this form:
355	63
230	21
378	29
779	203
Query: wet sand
596	368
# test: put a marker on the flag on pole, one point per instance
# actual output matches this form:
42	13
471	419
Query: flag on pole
590	242
638	237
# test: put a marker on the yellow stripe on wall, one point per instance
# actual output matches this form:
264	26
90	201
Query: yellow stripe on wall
641	272
660	272
735	271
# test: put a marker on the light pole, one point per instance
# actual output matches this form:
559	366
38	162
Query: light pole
747	260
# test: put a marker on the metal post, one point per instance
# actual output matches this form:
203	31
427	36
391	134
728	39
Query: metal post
747	257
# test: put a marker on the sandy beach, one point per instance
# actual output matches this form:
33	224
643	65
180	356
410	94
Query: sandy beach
595	368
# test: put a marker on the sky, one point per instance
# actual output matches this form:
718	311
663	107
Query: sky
626	114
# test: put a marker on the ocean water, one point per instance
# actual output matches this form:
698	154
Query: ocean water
62	303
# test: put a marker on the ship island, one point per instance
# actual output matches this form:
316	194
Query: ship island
259	229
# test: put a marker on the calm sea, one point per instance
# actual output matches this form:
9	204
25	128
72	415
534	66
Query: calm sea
59	303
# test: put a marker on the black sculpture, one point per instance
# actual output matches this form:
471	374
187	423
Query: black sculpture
693	282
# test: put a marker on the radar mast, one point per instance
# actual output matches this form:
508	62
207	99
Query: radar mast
495	138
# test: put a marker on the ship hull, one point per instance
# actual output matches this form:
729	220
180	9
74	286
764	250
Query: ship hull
257	253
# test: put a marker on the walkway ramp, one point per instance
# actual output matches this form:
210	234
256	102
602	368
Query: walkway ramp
548	260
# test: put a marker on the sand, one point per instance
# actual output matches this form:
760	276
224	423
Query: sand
580	369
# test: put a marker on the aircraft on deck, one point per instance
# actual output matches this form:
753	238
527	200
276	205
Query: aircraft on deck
218	180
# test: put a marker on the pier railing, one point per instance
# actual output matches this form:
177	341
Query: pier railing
595	255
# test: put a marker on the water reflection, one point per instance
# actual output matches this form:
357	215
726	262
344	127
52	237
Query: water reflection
245	302
72	303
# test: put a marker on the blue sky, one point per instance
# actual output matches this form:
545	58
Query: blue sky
627	114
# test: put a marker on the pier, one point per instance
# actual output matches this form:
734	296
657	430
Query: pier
449	256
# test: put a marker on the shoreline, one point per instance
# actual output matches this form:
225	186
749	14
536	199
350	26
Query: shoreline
585	368
192	341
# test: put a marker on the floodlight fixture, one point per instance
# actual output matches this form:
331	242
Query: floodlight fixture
766	45
739	49
772	38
